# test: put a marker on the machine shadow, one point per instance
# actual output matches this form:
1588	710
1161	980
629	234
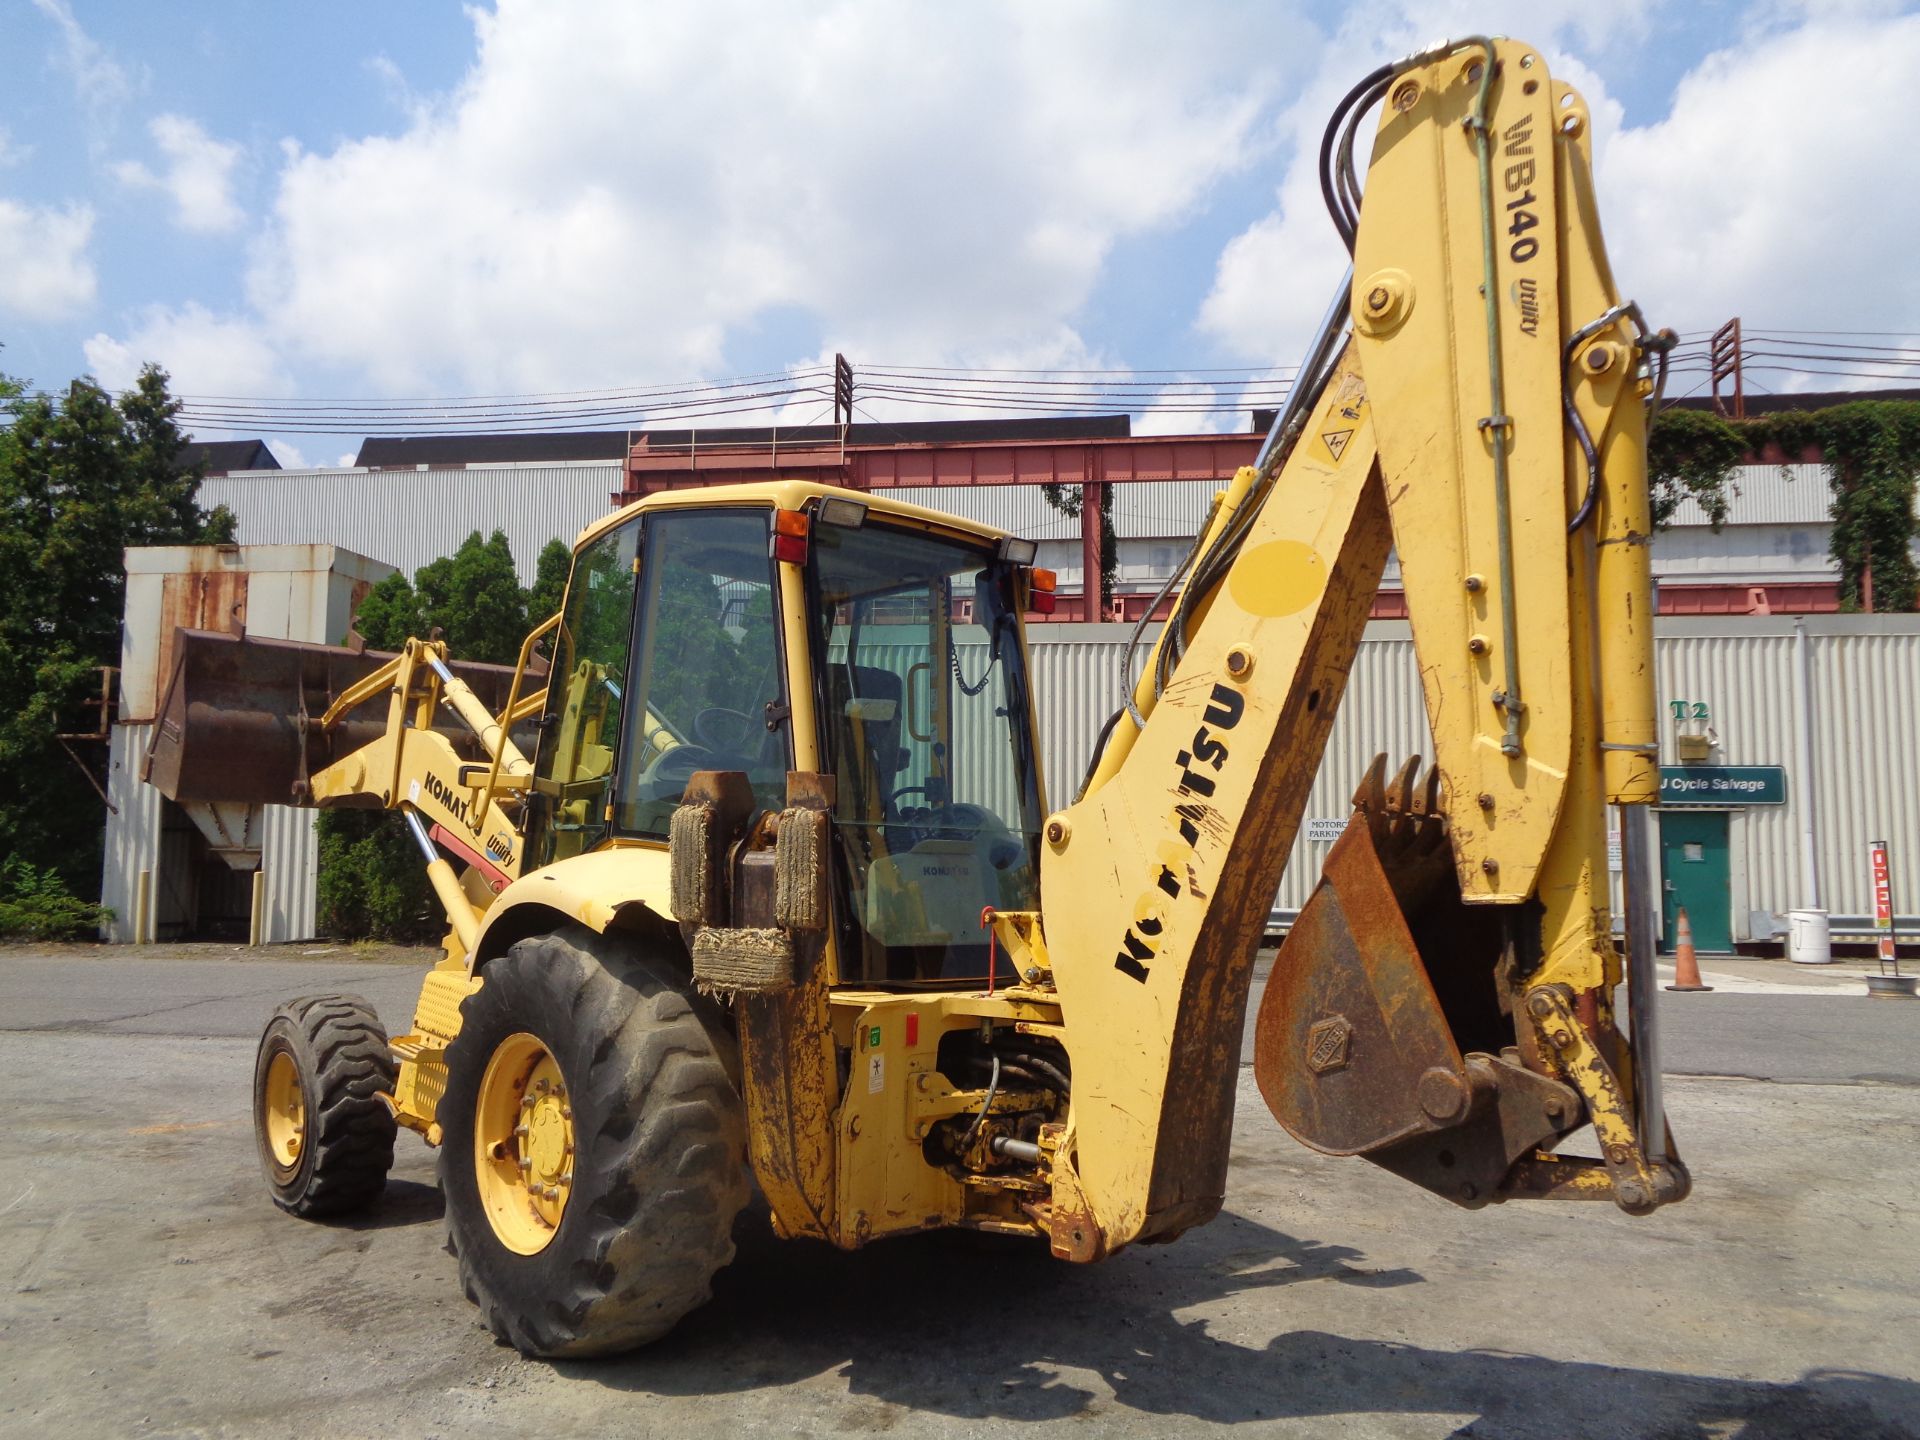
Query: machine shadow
956	1326
402	1203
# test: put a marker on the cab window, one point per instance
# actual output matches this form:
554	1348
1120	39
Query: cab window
707	691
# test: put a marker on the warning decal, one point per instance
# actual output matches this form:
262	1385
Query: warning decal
1336	441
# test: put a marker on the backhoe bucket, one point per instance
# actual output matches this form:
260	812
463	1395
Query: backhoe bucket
1380	1033
240	721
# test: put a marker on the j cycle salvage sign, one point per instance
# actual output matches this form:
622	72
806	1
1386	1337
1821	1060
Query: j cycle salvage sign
1723	785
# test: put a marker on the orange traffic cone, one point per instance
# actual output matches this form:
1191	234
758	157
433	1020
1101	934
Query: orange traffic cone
1686	965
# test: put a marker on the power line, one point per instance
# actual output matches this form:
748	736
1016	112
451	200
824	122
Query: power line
1196	391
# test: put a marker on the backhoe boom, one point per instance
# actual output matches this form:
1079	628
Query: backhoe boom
1444	1004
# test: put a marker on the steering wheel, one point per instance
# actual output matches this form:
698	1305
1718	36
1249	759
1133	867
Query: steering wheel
679	763
894	796
704	732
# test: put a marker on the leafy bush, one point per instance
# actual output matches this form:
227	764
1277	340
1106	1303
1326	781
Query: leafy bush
36	905
373	882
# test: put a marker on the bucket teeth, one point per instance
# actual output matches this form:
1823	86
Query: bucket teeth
1404	814
1371	793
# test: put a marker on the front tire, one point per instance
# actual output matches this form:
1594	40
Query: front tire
324	1135
593	1147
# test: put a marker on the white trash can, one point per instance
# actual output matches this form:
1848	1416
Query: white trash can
1809	941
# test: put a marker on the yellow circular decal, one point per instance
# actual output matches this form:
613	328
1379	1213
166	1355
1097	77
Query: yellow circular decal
1280	577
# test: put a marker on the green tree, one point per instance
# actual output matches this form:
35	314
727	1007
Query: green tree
549	581
1872	450
82	477
472	596
372	883
389	613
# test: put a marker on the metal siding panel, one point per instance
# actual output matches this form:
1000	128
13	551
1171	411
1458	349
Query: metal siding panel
1142	510
1867	749
140	642
1020	509
408	518
1076	685
1745	554
1381	713
133	827
1769	495
1162	509
1867	754
290	860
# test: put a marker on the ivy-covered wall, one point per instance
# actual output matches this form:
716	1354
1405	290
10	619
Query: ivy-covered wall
1872	448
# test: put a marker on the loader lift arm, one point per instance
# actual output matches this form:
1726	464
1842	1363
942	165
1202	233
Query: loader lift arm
1477	400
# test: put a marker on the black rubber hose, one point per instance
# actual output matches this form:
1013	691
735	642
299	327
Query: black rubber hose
1327	179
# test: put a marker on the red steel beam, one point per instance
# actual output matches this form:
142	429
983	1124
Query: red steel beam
1007	462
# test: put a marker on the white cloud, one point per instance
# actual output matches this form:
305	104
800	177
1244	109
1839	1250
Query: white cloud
102	84
290	455
1793	213
1748	198
198	175
939	184
206	354
1182	415
45	270
1273	281
10	152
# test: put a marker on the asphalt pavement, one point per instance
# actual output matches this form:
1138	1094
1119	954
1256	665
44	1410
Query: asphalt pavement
147	1287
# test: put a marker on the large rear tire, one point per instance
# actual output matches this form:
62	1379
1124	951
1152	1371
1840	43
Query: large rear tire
593	1146
324	1135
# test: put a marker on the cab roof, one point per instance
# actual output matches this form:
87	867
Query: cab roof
791	495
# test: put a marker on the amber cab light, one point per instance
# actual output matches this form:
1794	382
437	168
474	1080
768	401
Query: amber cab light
790	536
1043	596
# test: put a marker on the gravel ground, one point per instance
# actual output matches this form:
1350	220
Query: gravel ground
147	1286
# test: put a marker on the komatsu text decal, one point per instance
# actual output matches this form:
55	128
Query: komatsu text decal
443	793
1207	751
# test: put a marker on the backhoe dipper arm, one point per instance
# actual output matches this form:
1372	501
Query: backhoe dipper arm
1477	401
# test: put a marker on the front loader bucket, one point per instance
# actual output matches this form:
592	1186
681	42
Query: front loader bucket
1380	1033
240	720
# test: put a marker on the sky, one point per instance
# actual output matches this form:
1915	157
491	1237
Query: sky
364	201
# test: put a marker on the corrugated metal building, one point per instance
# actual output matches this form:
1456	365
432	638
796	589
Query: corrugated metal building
1775	534
1842	691
409	518
1838	702
286	592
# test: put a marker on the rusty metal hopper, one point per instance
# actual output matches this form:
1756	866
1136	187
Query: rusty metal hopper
239	723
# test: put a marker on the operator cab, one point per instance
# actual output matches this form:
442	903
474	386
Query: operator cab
671	659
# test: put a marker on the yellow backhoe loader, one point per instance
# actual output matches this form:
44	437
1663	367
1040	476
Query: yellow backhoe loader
752	869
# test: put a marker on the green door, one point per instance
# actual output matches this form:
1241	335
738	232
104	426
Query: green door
1694	873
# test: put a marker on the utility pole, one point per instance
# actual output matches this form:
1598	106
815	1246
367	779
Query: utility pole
1723	358
842	390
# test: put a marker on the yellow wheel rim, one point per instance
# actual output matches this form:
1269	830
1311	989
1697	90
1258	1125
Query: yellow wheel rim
523	1143
286	1111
